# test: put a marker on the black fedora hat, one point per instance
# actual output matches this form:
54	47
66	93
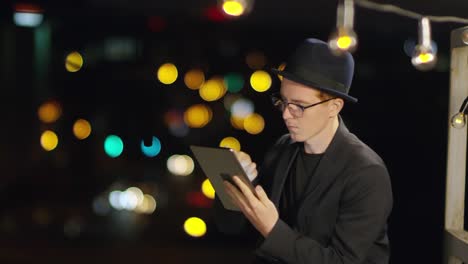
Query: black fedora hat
315	65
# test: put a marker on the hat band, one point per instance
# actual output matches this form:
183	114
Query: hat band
318	78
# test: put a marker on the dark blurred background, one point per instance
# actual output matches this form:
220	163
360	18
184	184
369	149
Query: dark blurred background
71	203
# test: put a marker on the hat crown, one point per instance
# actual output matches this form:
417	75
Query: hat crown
315	65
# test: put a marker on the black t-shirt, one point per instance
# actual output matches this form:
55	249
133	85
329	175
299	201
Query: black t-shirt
299	177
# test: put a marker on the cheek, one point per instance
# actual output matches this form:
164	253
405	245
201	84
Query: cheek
314	123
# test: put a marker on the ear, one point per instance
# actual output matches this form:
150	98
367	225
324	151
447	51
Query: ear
335	107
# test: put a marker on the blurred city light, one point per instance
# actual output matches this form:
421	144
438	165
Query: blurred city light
153	150
198	199
255	60
254	124
198	116
73	62
194	79
260	81
41	216
242	108
237	122
208	189
113	146
121	49
101	206
156	23
234	82
174	120
49	140
49	111
215	14
132	199
81	129
114	200
167	73
27	15
128	200
230	142
180	165
229	100
195	227
212	90
27	19
147	206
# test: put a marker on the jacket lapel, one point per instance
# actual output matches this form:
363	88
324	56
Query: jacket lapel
329	167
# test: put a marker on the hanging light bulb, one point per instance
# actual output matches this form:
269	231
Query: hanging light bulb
424	57
236	7
344	38
459	119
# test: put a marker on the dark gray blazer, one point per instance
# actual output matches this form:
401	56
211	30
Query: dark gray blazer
343	217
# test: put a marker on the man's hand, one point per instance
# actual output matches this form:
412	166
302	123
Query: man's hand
258	208
249	167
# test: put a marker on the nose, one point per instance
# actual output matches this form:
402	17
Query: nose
287	113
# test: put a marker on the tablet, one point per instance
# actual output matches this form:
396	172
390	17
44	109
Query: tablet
221	164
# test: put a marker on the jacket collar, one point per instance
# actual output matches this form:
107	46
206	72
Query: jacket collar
327	169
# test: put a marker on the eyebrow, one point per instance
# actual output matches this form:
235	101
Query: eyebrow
296	101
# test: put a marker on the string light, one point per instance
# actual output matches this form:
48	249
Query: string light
459	119
424	57
406	13
344	38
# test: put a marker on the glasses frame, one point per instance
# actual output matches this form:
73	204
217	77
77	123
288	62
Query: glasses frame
276	98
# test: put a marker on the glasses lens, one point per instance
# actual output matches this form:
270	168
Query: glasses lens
295	110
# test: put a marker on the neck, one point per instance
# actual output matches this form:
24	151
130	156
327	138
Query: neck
319	143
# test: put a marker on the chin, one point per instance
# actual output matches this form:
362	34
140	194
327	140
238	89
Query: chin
296	137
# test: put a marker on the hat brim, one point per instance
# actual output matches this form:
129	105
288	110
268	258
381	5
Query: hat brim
297	79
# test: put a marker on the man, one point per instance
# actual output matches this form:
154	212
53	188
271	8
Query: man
322	195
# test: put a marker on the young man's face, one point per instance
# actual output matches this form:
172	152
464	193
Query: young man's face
313	120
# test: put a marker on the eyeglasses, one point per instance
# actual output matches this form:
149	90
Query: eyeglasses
296	110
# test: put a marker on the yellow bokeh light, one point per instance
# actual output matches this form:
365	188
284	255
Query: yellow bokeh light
254	124
167	73
147	205
344	42
81	129
49	140
195	227
212	89
198	116
230	142
237	122
49	112
180	165
260	81
208	189
194	79
73	62
233	8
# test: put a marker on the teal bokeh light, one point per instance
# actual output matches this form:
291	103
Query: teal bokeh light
234	82
113	146
153	150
